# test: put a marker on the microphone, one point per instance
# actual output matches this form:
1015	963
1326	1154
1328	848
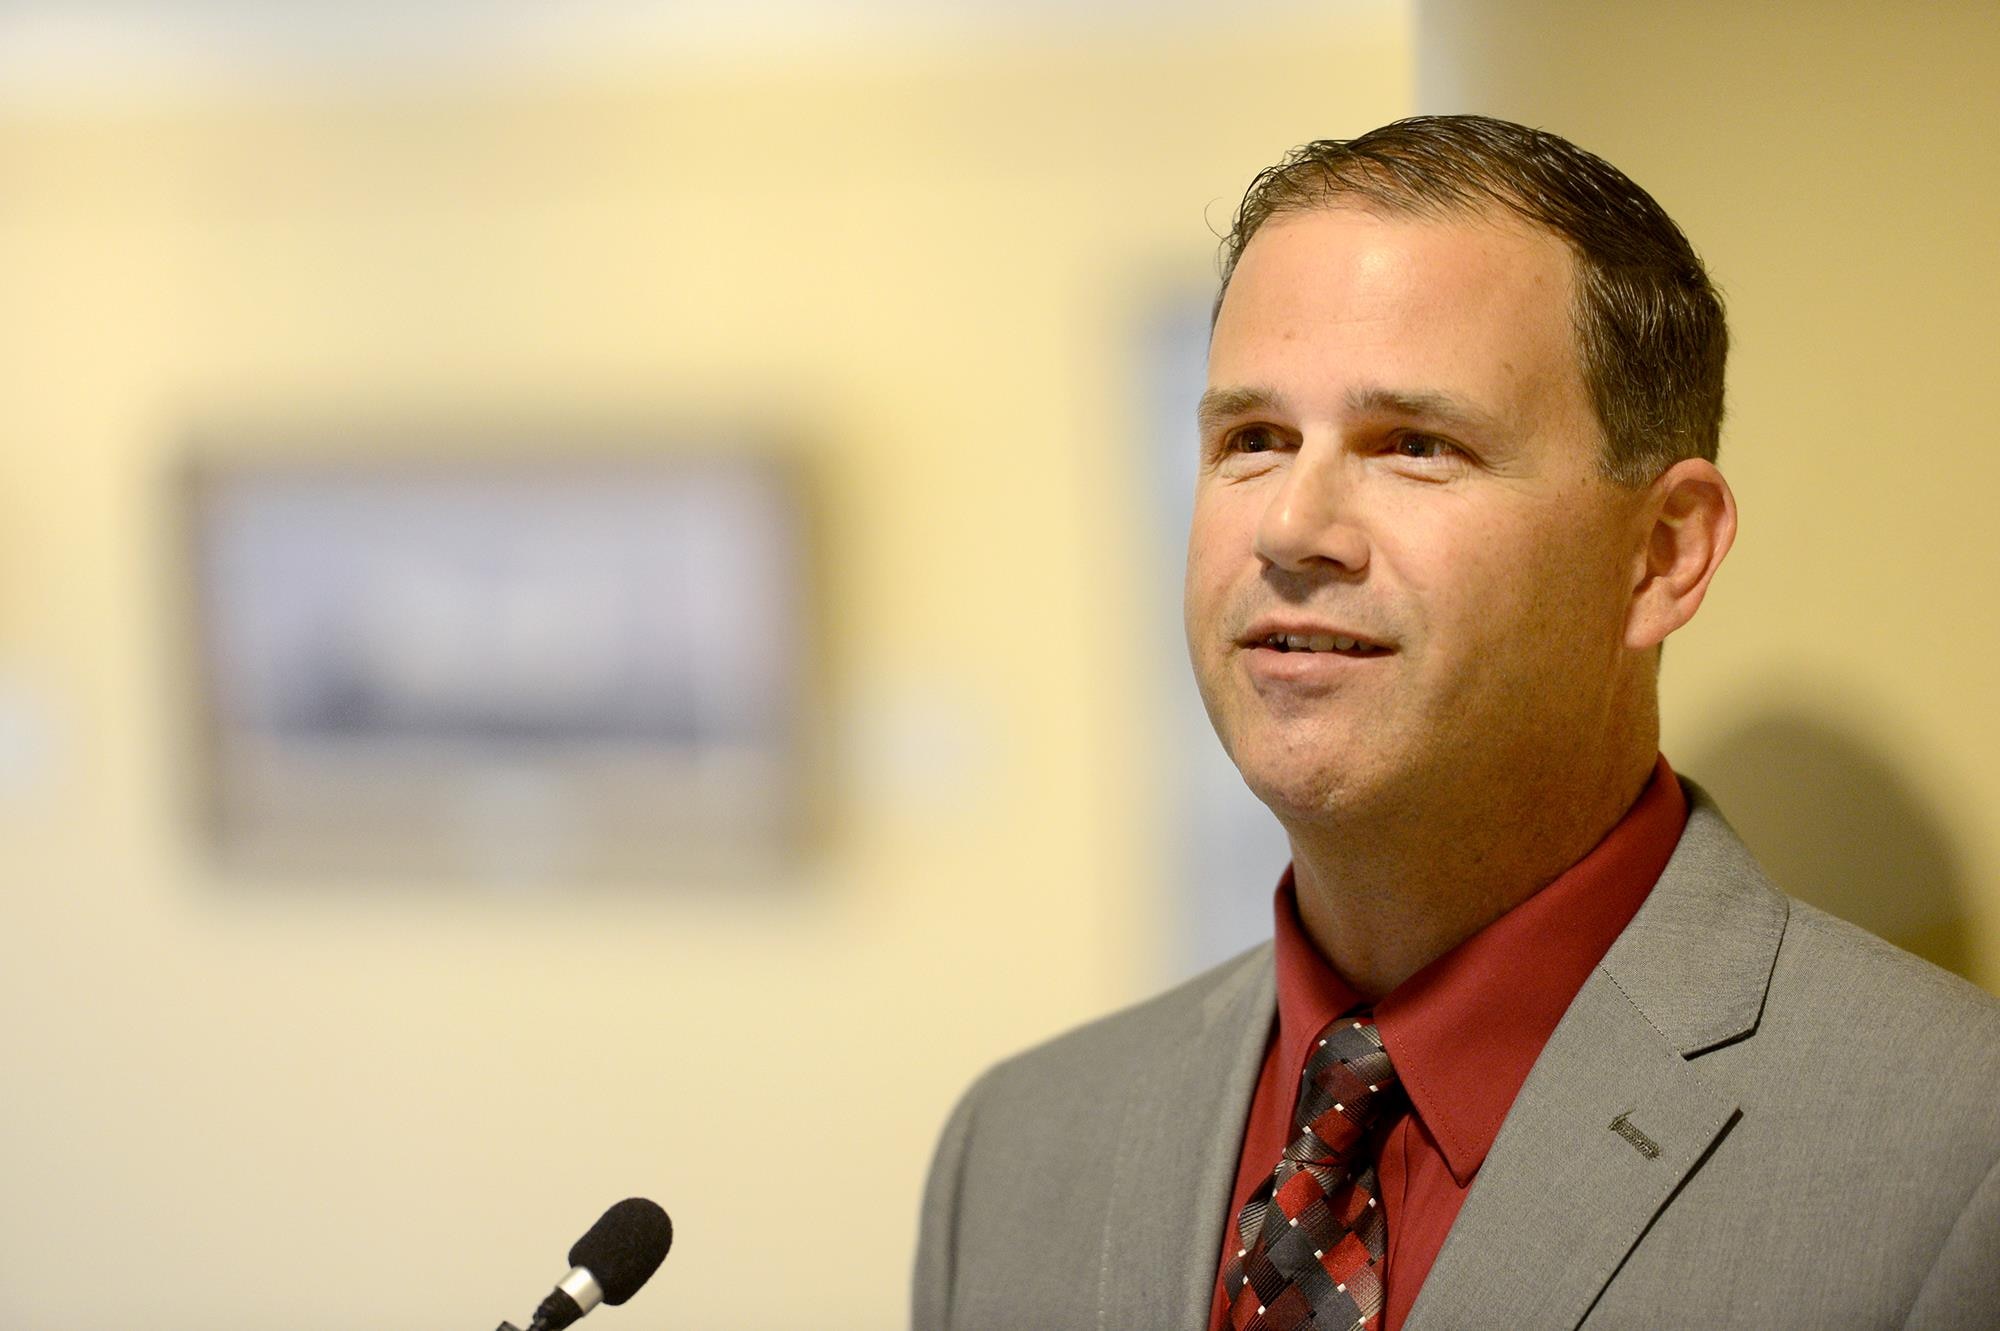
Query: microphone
609	1263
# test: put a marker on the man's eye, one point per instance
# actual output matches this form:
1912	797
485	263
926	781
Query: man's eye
1252	439
1421	446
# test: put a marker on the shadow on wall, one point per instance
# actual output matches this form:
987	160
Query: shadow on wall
1835	824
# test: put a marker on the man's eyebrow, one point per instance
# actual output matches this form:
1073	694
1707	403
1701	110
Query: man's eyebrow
1219	405
1421	405
1222	404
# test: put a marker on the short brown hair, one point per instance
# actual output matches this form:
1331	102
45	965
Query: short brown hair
1649	323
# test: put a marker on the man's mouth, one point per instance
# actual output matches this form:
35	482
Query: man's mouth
1321	642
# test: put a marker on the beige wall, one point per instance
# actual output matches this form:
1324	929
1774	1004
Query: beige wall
234	1104
1838	166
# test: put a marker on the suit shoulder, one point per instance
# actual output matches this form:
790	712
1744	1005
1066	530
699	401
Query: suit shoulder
1717	931
1825	959
1851	1018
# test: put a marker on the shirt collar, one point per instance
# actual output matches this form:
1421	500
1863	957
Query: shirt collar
1464	1031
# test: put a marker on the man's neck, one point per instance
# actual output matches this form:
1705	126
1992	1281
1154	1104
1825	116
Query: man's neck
1384	897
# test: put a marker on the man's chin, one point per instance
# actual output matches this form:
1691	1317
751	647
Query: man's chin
1314	795
1325	767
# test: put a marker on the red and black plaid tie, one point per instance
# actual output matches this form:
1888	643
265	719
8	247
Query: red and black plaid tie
1309	1242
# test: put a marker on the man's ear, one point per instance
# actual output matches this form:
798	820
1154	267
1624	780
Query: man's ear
1691	518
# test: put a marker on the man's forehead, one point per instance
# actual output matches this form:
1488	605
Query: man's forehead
1376	250
1410	314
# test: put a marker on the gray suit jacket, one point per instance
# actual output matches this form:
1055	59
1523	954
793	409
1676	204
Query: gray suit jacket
1825	1108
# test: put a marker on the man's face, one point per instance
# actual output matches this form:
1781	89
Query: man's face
1407	579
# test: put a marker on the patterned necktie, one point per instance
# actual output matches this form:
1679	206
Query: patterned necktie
1309	1242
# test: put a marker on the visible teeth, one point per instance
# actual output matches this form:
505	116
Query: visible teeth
1313	642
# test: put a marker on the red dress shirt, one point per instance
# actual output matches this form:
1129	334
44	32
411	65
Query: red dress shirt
1462	1033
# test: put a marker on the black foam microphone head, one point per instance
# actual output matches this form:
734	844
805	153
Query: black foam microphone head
625	1247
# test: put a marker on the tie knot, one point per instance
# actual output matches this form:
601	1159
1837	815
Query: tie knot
1346	1081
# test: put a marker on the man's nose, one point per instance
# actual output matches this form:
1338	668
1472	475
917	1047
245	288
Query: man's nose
1312	519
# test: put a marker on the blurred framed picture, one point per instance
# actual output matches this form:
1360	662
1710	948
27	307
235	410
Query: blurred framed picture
506	667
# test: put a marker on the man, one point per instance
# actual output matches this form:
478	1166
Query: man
1535	1045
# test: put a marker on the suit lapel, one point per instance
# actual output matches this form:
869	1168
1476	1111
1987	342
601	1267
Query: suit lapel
1613	1117
1177	1160
1563	1194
